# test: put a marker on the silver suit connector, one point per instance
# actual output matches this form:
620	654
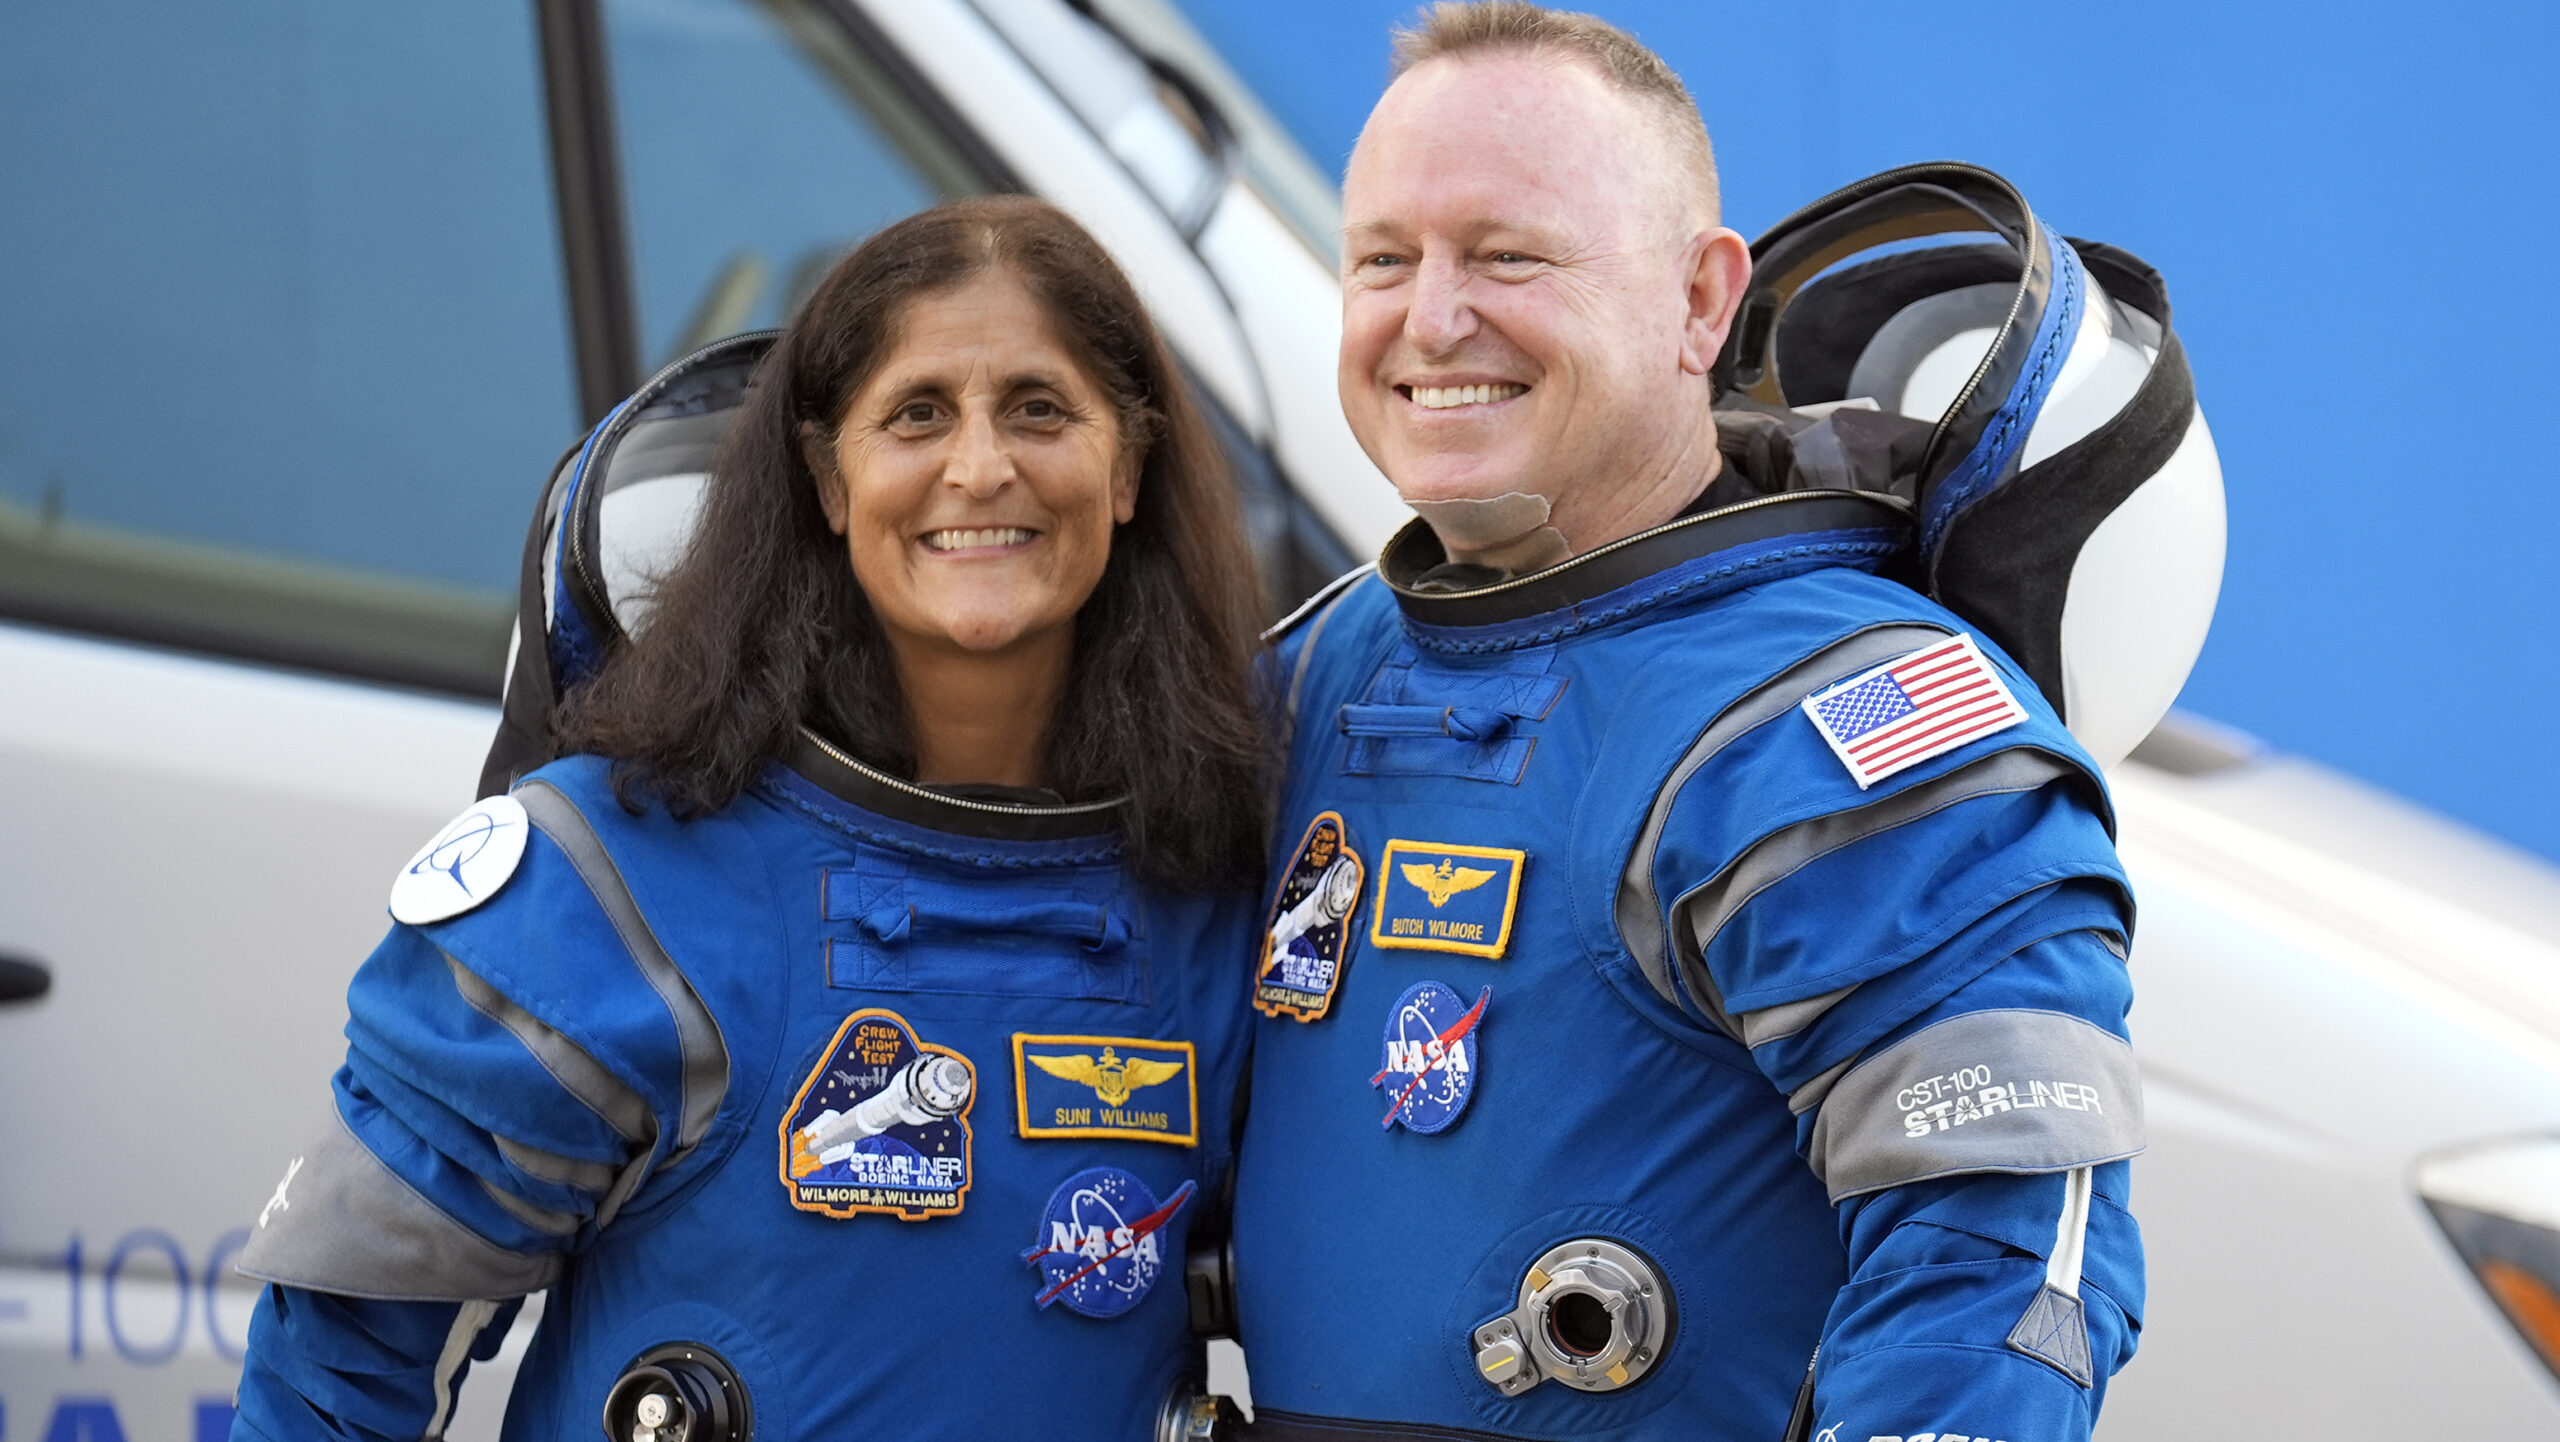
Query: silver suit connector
1593	1314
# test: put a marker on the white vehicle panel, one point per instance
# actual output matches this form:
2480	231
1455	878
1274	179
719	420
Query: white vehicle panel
1291	307
200	852
1045	143
2308	1028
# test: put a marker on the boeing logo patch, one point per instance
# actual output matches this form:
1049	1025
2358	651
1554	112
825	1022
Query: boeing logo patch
1304	943
1106	1086
1429	1057
464	865
1911	710
1436	896
881	1124
1101	1246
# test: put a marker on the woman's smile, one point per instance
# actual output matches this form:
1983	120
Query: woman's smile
968	542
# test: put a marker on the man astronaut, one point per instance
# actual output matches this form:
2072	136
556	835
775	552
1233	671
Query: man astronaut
1739	992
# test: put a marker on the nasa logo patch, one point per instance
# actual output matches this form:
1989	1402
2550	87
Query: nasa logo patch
881	1124
1438	897
1100	1247
1310	928
1429	1059
464	865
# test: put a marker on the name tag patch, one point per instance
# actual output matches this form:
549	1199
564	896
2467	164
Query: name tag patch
1100	1247
1434	896
1430	1057
1303	944
881	1124
1106	1086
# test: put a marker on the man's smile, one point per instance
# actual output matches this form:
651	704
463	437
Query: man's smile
1444	398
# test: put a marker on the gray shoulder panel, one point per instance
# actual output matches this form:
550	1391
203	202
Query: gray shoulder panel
579	1074
1704	911
1322	605
1322	600
1989	1091
343	1222
706	1056
1639	909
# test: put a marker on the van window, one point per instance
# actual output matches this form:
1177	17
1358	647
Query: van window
760	141
287	356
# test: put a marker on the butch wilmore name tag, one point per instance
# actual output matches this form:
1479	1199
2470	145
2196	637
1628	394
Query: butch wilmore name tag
1438	896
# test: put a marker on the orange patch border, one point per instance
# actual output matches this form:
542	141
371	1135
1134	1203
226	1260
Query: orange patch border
968	1134
1022	1089
1519	860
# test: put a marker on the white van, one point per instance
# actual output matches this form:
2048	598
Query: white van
301	302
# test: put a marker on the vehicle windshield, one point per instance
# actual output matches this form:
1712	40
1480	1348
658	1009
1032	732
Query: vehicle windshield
1306	195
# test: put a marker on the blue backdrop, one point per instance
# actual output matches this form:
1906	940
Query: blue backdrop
2354	206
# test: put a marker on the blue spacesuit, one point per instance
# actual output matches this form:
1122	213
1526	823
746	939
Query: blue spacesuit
897	1105
1691	953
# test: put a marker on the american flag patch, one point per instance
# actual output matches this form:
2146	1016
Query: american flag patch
1905	711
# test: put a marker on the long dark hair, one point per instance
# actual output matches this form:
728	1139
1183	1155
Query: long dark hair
762	628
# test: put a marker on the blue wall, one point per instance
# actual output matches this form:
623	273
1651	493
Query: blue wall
2354	206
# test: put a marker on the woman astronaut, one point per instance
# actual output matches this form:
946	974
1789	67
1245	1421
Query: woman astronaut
846	1035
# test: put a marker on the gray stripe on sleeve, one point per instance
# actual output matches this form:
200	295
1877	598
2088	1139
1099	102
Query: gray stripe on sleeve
467	1326
556	1169
1777	1023
1705	911
579	1074
1805	1098
1990	1091
1639	910
343	1222
706	1056
541	1219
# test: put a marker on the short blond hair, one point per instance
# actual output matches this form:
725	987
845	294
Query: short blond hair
1457	29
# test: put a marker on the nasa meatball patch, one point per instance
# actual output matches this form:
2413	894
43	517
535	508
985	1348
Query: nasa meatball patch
464	865
1429	1057
1304	945
881	1124
1101	1244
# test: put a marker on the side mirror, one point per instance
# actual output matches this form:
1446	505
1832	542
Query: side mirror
22	980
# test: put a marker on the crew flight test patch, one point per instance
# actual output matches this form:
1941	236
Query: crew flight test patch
1438	896
1106	1086
1913	709
1309	933
881	1124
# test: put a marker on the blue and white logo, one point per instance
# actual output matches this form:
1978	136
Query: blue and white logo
1428	1063
464	866
1102	1242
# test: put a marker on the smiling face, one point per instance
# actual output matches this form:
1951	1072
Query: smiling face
1530	303
976	477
